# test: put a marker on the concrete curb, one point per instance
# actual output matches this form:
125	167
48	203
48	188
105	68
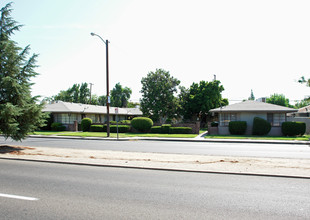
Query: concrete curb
250	141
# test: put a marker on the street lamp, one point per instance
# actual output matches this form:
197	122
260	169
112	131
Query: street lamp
106	42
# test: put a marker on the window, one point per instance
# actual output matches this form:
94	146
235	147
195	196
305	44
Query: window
65	118
226	118
276	119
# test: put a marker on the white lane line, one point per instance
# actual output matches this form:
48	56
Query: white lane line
18	197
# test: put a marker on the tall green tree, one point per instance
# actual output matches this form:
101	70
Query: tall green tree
102	100
76	94
120	96
84	93
279	99
158	101
197	101
252	97
19	113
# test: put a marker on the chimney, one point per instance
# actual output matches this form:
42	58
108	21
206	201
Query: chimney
262	99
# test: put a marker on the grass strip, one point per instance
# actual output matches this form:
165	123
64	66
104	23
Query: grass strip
113	135
303	138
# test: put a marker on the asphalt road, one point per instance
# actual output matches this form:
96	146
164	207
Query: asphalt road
205	148
54	191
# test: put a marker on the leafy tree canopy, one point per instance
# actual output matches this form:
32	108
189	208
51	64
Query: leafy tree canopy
76	94
120	96
80	93
19	113
302	103
200	98
158	101
279	99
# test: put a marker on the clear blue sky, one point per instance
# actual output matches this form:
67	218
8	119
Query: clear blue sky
261	45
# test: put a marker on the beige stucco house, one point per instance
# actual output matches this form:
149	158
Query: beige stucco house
67	113
247	110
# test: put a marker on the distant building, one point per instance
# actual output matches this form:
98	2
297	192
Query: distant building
247	111
303	115
66	113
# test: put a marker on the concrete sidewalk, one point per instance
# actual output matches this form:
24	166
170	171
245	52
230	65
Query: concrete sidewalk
180	162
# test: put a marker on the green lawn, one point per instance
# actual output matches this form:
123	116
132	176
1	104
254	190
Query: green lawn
50	132
113	135
303	138
124	135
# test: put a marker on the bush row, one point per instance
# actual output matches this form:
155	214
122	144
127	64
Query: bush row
113	128
263	127
167	129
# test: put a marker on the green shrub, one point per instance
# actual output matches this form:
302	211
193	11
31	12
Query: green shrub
127	122
214	124
291	128
56	126
96	128
165	128
180	130
261	126
113	128
142	124
156	129
85	124
237	127
121	128
113	122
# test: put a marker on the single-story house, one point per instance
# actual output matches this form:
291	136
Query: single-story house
247	110
67	113
303	112
303	115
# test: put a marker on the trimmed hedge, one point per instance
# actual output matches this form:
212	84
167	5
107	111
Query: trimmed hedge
96	128
56	126
172	130
237	127
165	128
180	130
142	124
292	128
85	124
261	126
127	122
121	128
156	129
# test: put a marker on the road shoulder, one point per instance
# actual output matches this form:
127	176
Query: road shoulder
200	163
